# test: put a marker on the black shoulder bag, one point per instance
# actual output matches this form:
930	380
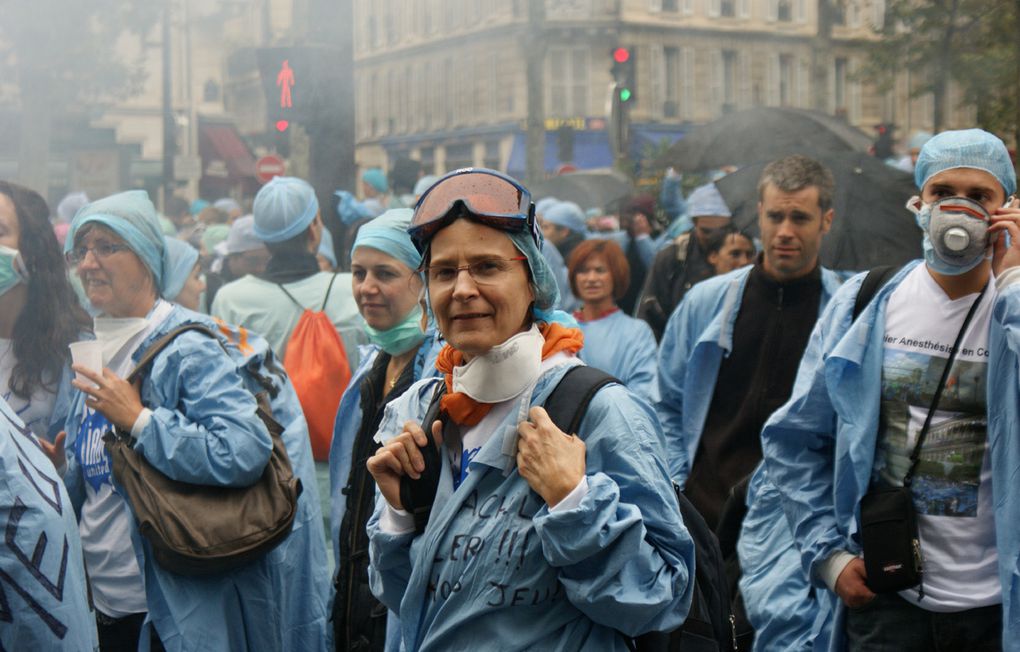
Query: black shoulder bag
889	536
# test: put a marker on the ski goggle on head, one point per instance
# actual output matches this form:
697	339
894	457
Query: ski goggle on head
487	196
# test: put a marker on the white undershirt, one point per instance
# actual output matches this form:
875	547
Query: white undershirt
394	521
118	586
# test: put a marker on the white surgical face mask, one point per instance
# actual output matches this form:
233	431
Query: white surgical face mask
503	372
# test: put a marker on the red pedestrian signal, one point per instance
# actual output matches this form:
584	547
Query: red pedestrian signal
621	55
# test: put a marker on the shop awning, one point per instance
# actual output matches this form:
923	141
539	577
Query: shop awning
222	148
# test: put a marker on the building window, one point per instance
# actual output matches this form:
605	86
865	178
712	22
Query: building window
670	5
211	91
839	86
568	82
728	8
784	11
838	12
786	72
729	80
492	158
671	62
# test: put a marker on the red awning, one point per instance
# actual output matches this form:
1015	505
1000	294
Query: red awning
221	142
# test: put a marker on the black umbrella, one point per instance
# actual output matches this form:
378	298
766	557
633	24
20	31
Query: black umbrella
871	226
589	189
761	135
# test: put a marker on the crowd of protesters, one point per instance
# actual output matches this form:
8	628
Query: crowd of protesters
409	354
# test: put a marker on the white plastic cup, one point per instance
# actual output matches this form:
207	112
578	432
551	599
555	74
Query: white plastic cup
88	354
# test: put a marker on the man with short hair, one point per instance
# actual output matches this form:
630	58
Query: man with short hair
731	348
929	372
564	225
287	220
678	266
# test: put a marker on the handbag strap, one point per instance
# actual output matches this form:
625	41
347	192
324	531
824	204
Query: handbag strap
160	344
915	456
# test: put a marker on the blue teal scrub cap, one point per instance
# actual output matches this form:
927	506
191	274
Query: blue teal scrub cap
566	214
967	148
180	260
284	208
706	201
132	217
388	234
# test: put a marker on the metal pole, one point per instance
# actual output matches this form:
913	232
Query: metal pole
169	125
536	44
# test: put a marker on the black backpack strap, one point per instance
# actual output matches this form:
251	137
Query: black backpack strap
325	299
291	296
876	278
569	400
417	496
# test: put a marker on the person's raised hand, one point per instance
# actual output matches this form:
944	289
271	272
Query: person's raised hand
110	395
552	462
851	585
1005	220
401	456
55	451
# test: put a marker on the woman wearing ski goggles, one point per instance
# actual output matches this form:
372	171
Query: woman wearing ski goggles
491	198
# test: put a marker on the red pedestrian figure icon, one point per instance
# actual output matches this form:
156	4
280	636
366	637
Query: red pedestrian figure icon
285	80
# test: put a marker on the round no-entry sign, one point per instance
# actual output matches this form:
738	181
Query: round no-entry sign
269	166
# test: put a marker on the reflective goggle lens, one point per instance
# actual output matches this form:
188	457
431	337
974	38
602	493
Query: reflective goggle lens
485	193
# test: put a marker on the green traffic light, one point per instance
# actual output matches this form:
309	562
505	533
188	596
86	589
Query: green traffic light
625	94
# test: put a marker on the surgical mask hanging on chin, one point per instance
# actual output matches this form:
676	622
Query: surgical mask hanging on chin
955	233
12	269
402	337
505	371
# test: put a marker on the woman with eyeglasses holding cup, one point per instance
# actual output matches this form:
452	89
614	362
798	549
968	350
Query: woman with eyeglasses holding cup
192	416
537	539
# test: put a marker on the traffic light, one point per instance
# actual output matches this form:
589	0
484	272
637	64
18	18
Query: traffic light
298	82
623	74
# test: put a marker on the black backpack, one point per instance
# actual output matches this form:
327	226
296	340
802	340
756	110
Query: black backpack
709	625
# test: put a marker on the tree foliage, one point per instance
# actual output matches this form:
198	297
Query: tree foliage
943	40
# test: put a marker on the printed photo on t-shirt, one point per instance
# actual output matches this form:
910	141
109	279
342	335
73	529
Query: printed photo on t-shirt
947	478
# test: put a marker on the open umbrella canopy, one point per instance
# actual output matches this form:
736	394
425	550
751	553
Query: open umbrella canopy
761	135
588	189
871	226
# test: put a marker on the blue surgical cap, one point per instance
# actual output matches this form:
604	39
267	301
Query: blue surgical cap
213	235
706	201
242	236
132	217
568	215
388	234
375	178
543	280
542	205
918	140
967	148
424	184
284	208
326	248
180	260
198	205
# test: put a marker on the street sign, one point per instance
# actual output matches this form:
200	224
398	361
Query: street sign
269	166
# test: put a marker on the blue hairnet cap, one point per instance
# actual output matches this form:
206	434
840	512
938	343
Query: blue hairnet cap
544	204
213	235
198	205
242	236
706	201
227	204
566	214
181	258
326	248
375	178
132	217
350	209
388	234
543	280
284	208
918	140
967	148
424	184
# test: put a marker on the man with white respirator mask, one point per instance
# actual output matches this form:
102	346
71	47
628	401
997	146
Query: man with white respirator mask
895	455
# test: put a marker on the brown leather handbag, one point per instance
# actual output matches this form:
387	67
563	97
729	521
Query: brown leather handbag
202	530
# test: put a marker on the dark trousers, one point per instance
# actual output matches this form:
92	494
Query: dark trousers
891	624
122	634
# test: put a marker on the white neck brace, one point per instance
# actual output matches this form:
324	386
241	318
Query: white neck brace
505	371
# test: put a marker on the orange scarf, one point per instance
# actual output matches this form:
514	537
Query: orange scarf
466	411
